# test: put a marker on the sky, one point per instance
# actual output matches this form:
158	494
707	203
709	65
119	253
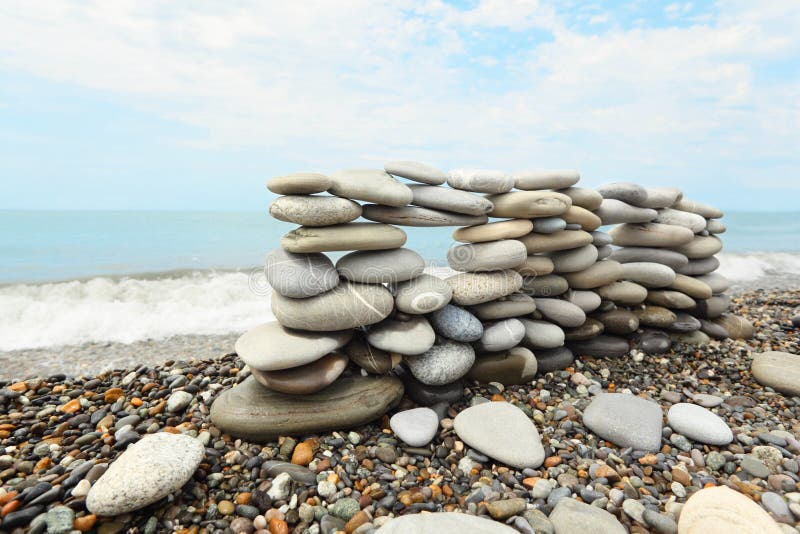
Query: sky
194	104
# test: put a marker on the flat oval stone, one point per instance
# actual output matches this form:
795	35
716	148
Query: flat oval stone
712	330
426	395
424	294
623	293
535	266
418	216
252	412
670	299
369	358
589	329
601	239
600	274
712	308
649	275
549	360
721	509
419	172
514	305
584	218
549	225
501	431
653	342
562	240
699	267
480	180
511	367
624	191
561	312
301	183
577	259
650	235
348	305
717	282
545	179
588	301
699	424
529	204
350	236
542	335
661	197
370	185
415	427
695	338
625	420
411	336
489	256
670	258
444	523
271	347
778	370
691	286
604	252
602	346
456	323
655	316
692	221
475	288
586	198
381	266
571	515
447	199
299	275
613	211
549	285
714	226
311	210
493	231
306	379
150	469
619	322
501	335
442	363
709	212
700	247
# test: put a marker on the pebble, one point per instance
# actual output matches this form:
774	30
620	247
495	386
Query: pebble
699	424
416	427
626	420
721	509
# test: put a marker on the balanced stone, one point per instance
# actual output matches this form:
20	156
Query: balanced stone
480	180
475	288
443	363
561	312
350	236
549	360
563	240
713	330
535	266
348	305
416	427
493	231
370	185
623	293
381	266
311	210
271	347
670	258
501	335
510	367
542	335
514	305
620	322
306	379
626	420
721	509
545	179
586	198
549	225
670	299
700	247
692	221
456	323
412	335
444	523
650	275
426	395
489	256
650	235
602	346
717	282
424	294
589	329
691	286
501	431
661	197
584	218
600	274
570	261
301	183
588	301
713	307
601	239
419	172
613	211
369	358
571	516
778	370
699	424
714	226
549	285
699	267
299	275
604	252
655	316
624	191
418	216
695	338
150	469
444	198
709	212
250	411
529	204
653	342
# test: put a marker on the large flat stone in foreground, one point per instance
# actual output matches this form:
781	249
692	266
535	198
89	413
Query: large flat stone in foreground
252	412
444	523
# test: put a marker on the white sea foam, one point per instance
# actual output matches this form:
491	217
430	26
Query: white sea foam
760	266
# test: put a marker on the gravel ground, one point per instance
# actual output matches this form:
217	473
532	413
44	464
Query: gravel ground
51	427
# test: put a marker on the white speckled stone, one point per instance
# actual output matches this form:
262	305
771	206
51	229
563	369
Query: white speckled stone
545	179
480	180
721	509
419	172
443	363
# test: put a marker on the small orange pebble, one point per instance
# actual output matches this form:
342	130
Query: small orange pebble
582	474
447	491
303	453
8	497
709	485
158	408
9	507
611	386
136	401
85	523
498	398
113	395
552	461
648	459
171	430
5	434
19	387
530	482
243	498
44	463
333	478
60	388
71	407
148	387
278	526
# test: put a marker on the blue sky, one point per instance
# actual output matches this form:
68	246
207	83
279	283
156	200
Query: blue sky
193	105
